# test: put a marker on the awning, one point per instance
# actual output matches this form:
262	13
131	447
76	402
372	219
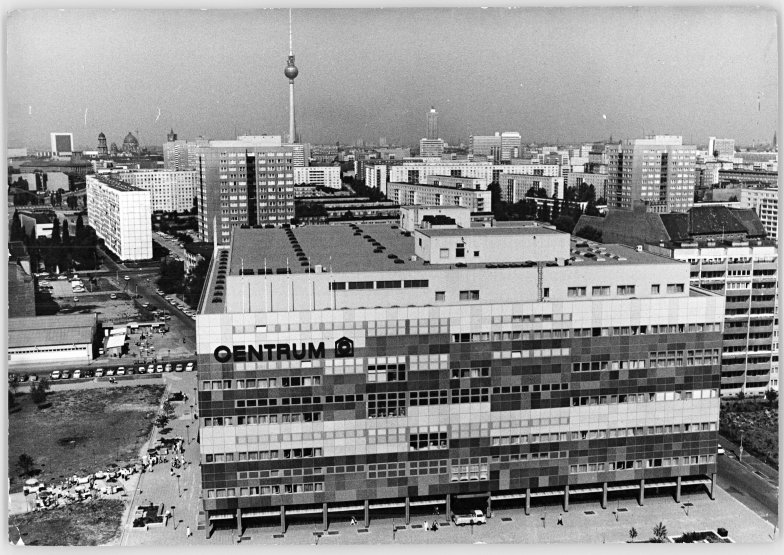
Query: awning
222	516
257	514
115	341
387	505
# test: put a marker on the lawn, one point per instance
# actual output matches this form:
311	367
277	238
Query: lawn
91	523
83	431
758	421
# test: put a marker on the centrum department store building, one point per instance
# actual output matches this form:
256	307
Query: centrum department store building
346	369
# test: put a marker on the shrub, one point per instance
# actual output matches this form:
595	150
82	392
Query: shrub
722	532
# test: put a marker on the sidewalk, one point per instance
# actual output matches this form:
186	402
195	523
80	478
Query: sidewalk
160	487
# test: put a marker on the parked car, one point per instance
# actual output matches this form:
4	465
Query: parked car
121	371
159	368
110	372
147	305
112	296
189	367
168	367
150	368
12	378
77	374
99	372
55	375
179	367
24	377
66	375
141	369
62	278
127	278
33	377
720	449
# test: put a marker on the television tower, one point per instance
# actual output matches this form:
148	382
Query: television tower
291	72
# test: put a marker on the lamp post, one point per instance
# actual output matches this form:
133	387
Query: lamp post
740	451
187	433
174	520
179	493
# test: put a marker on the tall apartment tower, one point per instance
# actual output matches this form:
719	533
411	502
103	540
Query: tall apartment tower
248	181
103	150
291	72
657	172
432	124
510	145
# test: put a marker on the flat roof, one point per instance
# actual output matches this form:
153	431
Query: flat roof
50	330
116	184
476	231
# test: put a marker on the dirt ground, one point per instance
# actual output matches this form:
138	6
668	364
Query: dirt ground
83	431
90	523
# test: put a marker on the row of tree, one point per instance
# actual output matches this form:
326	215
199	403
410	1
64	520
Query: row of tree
65	250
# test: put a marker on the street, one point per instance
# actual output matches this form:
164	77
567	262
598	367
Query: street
751	482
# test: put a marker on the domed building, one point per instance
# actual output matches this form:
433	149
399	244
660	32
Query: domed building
130	144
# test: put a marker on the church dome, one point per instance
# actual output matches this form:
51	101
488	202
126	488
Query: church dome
130	139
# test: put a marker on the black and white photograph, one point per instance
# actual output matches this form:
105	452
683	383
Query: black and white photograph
290	276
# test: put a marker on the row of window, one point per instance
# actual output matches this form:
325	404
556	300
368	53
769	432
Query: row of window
639	464
646	330
644	397
299	453
389	284
663	359
253	491
532	353
532	318
535	335
284	418
604	290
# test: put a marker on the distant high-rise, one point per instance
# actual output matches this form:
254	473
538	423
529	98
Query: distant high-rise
658	172
775	145
721	149
291	72
510	145
431	148
62	143
432	123
171	136
102	148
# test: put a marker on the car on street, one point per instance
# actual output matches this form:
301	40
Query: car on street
159	368
720	449
55	375
189	367
76	299
112	296
168	367
66	375
150	368
99	372
33	377
121	371
62	278
110	372
147	305
12	378
179	367
141	369
24	377
127	278
77	374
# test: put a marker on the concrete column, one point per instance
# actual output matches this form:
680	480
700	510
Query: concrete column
448	507
566	499
325	517
207	524
642	492
367	513
712	486
282	519
239	521
604	495
408	510
489	506
527	501
678	489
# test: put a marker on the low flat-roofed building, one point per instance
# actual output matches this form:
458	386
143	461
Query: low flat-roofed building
390	380
37	224
412	217
325	176
40	340
514	187
407	194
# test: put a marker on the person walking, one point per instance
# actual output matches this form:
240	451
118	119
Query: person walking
560	520
188	532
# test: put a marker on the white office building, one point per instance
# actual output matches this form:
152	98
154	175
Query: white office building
120	215
514	187
324	176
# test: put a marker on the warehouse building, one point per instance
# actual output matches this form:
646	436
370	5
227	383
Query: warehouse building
365	368
51	339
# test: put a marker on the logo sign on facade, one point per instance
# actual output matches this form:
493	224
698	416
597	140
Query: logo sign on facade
344	347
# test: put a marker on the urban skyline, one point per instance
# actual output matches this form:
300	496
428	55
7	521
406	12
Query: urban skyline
696	72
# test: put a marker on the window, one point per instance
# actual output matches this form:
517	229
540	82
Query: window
625	290
546	292
360	285
655	289
412	283
476	253
576	292
460	250
469	295
444	253
675	288
600	291
440	296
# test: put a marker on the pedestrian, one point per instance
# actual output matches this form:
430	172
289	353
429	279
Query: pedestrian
560	520
167	515
188	532
353	521
425	525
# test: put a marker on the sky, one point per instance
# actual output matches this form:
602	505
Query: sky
562	75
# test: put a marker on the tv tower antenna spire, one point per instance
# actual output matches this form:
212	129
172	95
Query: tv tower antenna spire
291	72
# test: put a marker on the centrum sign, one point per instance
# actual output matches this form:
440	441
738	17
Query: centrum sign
344	347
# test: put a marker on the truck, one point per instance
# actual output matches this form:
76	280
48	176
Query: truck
474	517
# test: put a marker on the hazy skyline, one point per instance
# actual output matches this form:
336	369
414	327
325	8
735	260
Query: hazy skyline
553	74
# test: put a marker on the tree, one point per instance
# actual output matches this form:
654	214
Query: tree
66	233
56	231
772	396
632	533
172	278
17	233
161	420
195	282
590	233
39	389
537	192
168	409
79	224
11	397
543	214
26	464
659	532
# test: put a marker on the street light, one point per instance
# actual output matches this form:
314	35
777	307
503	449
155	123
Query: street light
187	433
179	493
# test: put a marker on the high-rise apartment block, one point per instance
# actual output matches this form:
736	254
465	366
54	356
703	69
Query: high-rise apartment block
722	150
510	145
171	191
765	202
486	145
390	370
514	187
247	181
432	124
120	215
431	148
658	172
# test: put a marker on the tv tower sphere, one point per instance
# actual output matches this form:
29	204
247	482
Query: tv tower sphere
291	70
